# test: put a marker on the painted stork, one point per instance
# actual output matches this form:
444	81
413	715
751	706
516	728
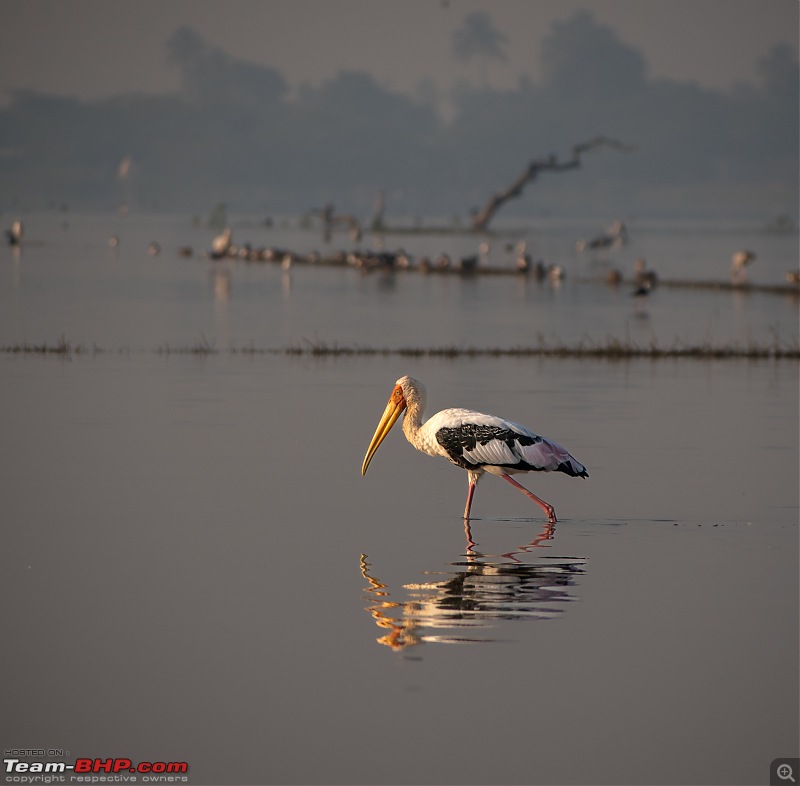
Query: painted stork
473	441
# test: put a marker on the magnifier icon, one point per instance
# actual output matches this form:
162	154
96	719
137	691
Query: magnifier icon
785	773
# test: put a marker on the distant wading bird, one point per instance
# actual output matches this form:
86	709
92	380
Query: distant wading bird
739	262
15	234
221	244
617	235
473	441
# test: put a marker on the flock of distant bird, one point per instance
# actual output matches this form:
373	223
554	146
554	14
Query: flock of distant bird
645	280
223	247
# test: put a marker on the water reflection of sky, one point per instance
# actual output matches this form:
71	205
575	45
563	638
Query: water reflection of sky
180	520
69	282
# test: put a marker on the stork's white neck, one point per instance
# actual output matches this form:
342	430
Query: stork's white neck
421	435
415	396
412	421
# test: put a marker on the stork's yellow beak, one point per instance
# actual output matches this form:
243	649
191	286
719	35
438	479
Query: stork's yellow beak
395	407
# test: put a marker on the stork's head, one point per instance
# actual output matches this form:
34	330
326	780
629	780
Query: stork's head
413	391
407	392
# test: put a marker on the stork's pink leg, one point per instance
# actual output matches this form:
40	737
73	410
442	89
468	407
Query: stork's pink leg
469	499
470	541
545	506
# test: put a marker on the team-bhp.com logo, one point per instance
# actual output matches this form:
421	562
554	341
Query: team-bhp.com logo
85	770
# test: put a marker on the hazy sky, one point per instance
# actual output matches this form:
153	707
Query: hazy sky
95	48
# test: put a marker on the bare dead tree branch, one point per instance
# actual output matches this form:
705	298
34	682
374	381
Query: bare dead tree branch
482	218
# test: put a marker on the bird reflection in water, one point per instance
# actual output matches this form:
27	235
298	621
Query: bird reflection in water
473	593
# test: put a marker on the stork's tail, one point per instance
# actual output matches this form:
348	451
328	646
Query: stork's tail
573	468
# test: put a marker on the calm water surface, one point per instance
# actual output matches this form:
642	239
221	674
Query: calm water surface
195	569
68	282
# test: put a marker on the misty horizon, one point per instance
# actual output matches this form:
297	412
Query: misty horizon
236	133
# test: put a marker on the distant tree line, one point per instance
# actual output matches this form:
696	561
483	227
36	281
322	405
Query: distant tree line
233	133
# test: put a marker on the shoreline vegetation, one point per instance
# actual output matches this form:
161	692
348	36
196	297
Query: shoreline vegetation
607	349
